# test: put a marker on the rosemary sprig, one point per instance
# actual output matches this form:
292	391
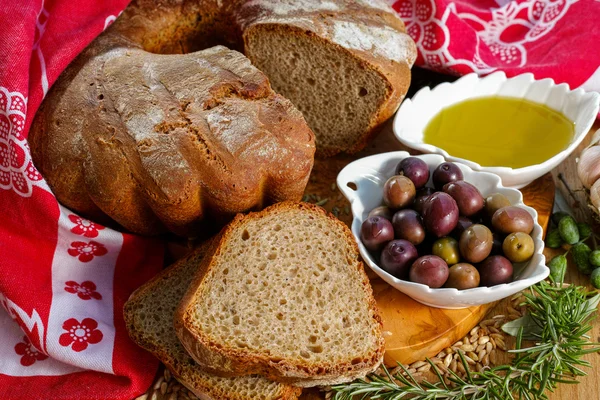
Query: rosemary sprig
558	322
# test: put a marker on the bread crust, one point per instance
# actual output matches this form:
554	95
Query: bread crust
224	361
84	140
186	371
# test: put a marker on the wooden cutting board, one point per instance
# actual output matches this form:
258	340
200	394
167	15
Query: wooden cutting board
413	331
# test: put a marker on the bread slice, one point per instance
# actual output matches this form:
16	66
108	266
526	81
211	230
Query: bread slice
149	318
283	294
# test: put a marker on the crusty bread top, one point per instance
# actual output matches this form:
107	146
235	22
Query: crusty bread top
283	294
149	318
170	141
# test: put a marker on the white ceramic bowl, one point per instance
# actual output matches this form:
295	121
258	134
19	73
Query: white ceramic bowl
369	175
577	105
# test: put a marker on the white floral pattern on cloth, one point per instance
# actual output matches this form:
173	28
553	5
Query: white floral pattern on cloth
17	171
85	291
516	24
432	36
84	227
86	251
110	19
502	37
79	335
40	28
429	33
29	354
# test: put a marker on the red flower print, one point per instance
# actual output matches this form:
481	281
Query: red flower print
86	251
29	353
80	334
84	227
85	291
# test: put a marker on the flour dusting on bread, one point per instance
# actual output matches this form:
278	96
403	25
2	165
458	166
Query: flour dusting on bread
383	41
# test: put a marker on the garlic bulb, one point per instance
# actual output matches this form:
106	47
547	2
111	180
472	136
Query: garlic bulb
595	196
588	167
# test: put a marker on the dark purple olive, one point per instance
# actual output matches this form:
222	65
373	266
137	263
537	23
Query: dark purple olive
495	270
397	256
422	195
375	232
476	243
445	173
398	192
414	169
429	270
468	197
408	225
440	214
382	211
461	226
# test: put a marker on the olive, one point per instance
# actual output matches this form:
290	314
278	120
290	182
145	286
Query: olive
397	256
447	249
440	214
468	197
407	225
518	247
398	192
476	243
446	172
375	232
429	270
382	211
512	219
462	224
420	198
495	270
462	276
494	202
414	169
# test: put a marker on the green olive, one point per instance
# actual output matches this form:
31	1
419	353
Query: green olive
447	249
518	247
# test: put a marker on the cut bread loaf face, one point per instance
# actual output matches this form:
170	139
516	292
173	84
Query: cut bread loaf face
283	294
346	67
149	318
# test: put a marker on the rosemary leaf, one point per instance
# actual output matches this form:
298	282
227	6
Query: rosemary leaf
558	319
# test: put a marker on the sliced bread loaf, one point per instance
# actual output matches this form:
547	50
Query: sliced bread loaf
283	294
149	317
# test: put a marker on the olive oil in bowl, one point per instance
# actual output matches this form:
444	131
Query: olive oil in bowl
500	131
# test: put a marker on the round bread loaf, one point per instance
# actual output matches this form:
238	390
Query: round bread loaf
148	130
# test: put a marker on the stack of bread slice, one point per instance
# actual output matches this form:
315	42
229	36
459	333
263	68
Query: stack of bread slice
279	300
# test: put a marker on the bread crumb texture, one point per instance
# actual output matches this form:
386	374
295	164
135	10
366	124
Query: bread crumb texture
290	285
149	316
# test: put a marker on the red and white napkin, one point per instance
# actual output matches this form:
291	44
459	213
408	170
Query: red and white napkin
64	279
551	38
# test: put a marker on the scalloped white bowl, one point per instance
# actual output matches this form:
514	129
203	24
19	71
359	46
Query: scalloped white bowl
577	105
369	175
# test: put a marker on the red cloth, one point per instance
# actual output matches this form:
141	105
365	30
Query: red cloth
551	38
64	279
